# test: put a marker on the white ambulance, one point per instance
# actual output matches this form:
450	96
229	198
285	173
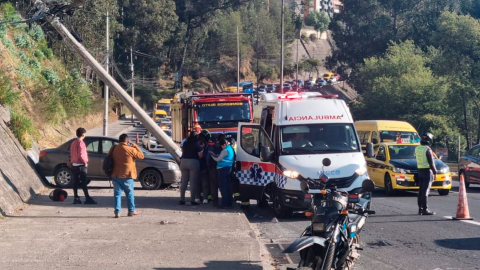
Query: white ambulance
291	136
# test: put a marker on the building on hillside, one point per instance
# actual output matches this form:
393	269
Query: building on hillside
329	6
337	6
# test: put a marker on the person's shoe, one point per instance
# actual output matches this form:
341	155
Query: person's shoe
134	213
205	201
89	200
182	203
420	210
77	201
194	203
117	215
427	212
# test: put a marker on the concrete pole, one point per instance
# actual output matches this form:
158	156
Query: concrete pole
133	83
281	48
238	62
147	121
296	74
105	113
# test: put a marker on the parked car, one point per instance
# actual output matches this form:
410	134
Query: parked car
332	80
469	166
271	88
150	143
153	171
300	82
166	124
321	82
262	89
308	85
287	87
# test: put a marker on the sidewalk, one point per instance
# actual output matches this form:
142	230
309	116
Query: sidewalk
60	235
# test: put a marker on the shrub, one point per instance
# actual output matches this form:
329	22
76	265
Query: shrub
7	96
34	64
21	126
3	30
22	57
8	44
36	33
52	109
51	76
75	97
8	11
46	50
39	54
23	41
313	37
25	71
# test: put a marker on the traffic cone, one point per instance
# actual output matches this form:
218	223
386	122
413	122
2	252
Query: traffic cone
462	209
138	141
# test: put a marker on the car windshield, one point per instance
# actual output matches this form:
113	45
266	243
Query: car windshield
402	151
399	136
164	107
223	111
319	139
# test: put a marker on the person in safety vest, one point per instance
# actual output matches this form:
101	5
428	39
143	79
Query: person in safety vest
426	172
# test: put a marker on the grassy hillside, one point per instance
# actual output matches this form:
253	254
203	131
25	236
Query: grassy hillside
47	102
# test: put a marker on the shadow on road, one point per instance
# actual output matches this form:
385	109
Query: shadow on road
460	243
221	265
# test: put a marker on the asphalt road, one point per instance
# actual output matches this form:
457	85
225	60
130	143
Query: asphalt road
396	237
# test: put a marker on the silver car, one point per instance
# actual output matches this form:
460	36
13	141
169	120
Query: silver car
153	171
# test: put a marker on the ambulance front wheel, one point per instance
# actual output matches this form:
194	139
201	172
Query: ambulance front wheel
263	202
281	211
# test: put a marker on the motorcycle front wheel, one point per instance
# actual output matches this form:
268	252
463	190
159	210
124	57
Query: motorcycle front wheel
327	262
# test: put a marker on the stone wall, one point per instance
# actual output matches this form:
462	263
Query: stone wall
19	181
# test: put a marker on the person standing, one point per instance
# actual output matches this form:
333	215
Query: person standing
203	180
427	172
224	168
214	149
124	172
190	167
79	160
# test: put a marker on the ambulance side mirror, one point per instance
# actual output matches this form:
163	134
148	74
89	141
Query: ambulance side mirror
265	153
370	153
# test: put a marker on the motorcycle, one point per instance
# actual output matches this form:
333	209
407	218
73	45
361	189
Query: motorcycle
332	240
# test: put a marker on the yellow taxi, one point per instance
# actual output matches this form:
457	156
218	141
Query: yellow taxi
328	75
394	167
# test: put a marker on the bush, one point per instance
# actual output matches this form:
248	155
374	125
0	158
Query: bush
36	33
39	54
51	76
313	37
35	64
3	30
75	97
25	71
23	41
7	96
21	126
46	50
22	57
8	11
52	109
8	44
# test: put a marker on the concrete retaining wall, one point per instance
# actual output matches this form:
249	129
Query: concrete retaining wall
19	182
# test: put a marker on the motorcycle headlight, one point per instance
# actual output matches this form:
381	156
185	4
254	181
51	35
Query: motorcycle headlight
291	174
318	227
361	171
399	170
173	166
444	170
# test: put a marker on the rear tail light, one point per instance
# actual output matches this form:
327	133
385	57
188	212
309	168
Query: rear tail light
308	196
353	198
43	153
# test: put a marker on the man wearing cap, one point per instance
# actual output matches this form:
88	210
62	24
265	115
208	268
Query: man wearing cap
427	172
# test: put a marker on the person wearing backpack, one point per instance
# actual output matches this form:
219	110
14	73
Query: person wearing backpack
124	172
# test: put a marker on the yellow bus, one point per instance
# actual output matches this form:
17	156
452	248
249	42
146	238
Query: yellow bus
378	131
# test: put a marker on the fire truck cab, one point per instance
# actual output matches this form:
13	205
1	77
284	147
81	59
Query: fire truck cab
291	135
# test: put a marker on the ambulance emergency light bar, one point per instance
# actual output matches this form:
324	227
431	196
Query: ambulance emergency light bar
295	95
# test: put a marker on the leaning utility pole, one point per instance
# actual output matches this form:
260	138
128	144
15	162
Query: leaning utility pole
296	74
105	95
238	62
281	48
141	115
132	85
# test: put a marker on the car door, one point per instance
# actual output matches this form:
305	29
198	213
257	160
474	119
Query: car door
251	171
94	157
376	166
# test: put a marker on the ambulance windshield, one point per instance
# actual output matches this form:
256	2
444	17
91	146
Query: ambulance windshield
319	139
223	111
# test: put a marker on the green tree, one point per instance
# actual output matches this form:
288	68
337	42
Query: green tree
319	20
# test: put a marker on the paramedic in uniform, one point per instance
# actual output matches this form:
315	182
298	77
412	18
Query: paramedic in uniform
299	141
426	172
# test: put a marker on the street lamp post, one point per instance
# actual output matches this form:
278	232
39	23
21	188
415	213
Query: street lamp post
281	48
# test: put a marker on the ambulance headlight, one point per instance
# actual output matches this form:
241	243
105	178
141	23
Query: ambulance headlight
291	174
361	171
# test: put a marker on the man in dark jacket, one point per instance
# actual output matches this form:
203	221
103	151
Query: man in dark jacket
427	172
212	168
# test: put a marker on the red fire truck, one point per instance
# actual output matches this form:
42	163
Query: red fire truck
218	113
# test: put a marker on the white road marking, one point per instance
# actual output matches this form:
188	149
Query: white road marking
466	221
286	255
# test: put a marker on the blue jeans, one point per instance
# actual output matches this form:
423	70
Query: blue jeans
126	185
225	186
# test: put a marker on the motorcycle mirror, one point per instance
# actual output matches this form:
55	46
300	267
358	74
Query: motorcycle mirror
326	162
367	186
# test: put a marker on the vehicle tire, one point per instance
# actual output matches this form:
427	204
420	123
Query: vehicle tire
280	210
151	179
327	263
443	192
263	202
467	183
388	186
64	177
